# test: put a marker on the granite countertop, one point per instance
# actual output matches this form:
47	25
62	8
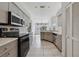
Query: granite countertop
4	41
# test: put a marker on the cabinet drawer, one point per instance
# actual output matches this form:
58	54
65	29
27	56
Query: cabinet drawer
5	48
11	53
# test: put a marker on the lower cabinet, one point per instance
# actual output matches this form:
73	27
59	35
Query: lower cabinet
47	36
53	37
9	49
11	53
59	42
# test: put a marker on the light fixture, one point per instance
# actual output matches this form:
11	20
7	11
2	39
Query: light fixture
48	6
42	6
35	6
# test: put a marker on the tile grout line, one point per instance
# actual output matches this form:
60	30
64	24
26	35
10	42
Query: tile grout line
43	48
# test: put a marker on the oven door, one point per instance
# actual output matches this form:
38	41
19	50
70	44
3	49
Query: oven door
23	46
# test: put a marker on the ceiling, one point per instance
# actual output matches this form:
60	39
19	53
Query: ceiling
41	9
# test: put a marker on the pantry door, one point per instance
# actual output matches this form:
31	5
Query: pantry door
72	30
68	32
75	29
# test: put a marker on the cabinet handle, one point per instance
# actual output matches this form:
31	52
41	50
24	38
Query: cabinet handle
8	53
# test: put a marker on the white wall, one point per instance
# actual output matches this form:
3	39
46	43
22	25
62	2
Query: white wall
42	12
23	29
20	5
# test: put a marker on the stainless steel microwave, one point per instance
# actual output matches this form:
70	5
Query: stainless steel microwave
14	19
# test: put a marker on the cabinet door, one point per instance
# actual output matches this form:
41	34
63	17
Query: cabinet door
59	42
9	49
3	12
11	53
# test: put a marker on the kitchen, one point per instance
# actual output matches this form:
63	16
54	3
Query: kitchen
39	29
14	30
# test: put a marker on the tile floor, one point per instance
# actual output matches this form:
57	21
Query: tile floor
47	50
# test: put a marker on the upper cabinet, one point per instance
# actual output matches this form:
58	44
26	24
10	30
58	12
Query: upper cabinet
60	18
11	14
3	12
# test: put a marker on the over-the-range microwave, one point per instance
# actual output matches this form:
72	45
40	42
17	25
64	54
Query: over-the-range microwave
14	19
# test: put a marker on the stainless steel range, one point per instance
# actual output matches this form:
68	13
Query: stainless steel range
23	45
23	39
9	32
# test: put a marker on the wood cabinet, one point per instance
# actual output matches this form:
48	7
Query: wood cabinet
59	42
47	36
4	12
53	37
11	53
8	47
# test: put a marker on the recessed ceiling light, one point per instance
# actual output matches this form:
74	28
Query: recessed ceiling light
35	6
42	6
48	6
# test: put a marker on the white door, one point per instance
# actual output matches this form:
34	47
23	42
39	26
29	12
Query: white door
75	29
68	31
72	30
